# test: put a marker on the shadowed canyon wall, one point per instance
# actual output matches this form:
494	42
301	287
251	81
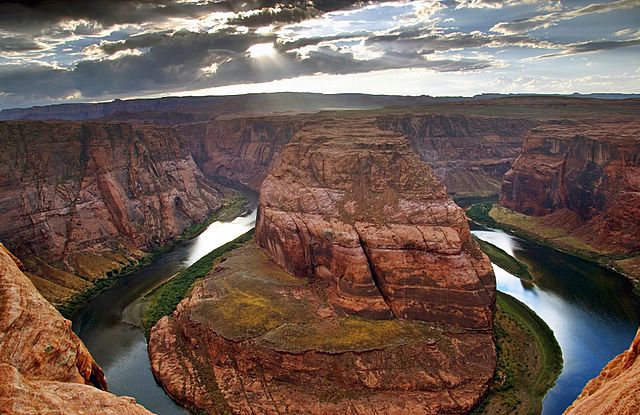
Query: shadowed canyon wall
469	155
79	199
584	176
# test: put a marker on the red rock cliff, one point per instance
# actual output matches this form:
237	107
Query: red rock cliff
242	149
44	367
588	168
468	154
353	205
83	197
616	391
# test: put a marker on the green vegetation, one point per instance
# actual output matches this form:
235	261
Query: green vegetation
529	360
165	298
504	260
68	308
233	206
350	333
479	213
465	201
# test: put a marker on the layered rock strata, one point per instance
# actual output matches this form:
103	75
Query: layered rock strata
468	154
616	390
368	295
241	149
586	173
44	367
353	205
79	199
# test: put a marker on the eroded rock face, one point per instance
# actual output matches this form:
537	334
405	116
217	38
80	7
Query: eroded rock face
468	154
616	390
242	149
79	199
588	170
44	367
353	205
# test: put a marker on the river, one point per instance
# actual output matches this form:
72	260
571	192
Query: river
110	324
591	311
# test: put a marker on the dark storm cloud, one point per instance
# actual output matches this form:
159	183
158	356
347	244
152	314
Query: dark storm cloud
548	19
453	41
18	44
30	16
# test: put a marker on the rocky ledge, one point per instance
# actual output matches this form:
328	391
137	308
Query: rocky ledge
368	295
44	367
616	390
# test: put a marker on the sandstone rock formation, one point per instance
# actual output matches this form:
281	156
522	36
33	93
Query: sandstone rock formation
387	306
241	149
353	205
79	199
616	391
584	174
468	154
44	367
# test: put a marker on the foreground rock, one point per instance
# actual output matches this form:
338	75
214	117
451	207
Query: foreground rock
80	199
616	390
368	235
44	367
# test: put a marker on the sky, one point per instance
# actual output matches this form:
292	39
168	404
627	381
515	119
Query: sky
97	50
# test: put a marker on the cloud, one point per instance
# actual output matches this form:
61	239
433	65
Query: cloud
586	47
549	19
199	60
498	4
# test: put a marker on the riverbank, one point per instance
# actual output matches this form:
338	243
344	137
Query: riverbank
234	204
504	260
529	360
489	214
164	299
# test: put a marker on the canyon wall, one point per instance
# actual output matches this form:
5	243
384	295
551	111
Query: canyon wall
44	367
79	199
616	390
584	176
468	154
241	149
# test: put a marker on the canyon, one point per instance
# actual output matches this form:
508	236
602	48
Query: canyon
44	367
356	236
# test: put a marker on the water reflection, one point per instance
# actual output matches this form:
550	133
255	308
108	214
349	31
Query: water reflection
218	234
109	324
591	310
